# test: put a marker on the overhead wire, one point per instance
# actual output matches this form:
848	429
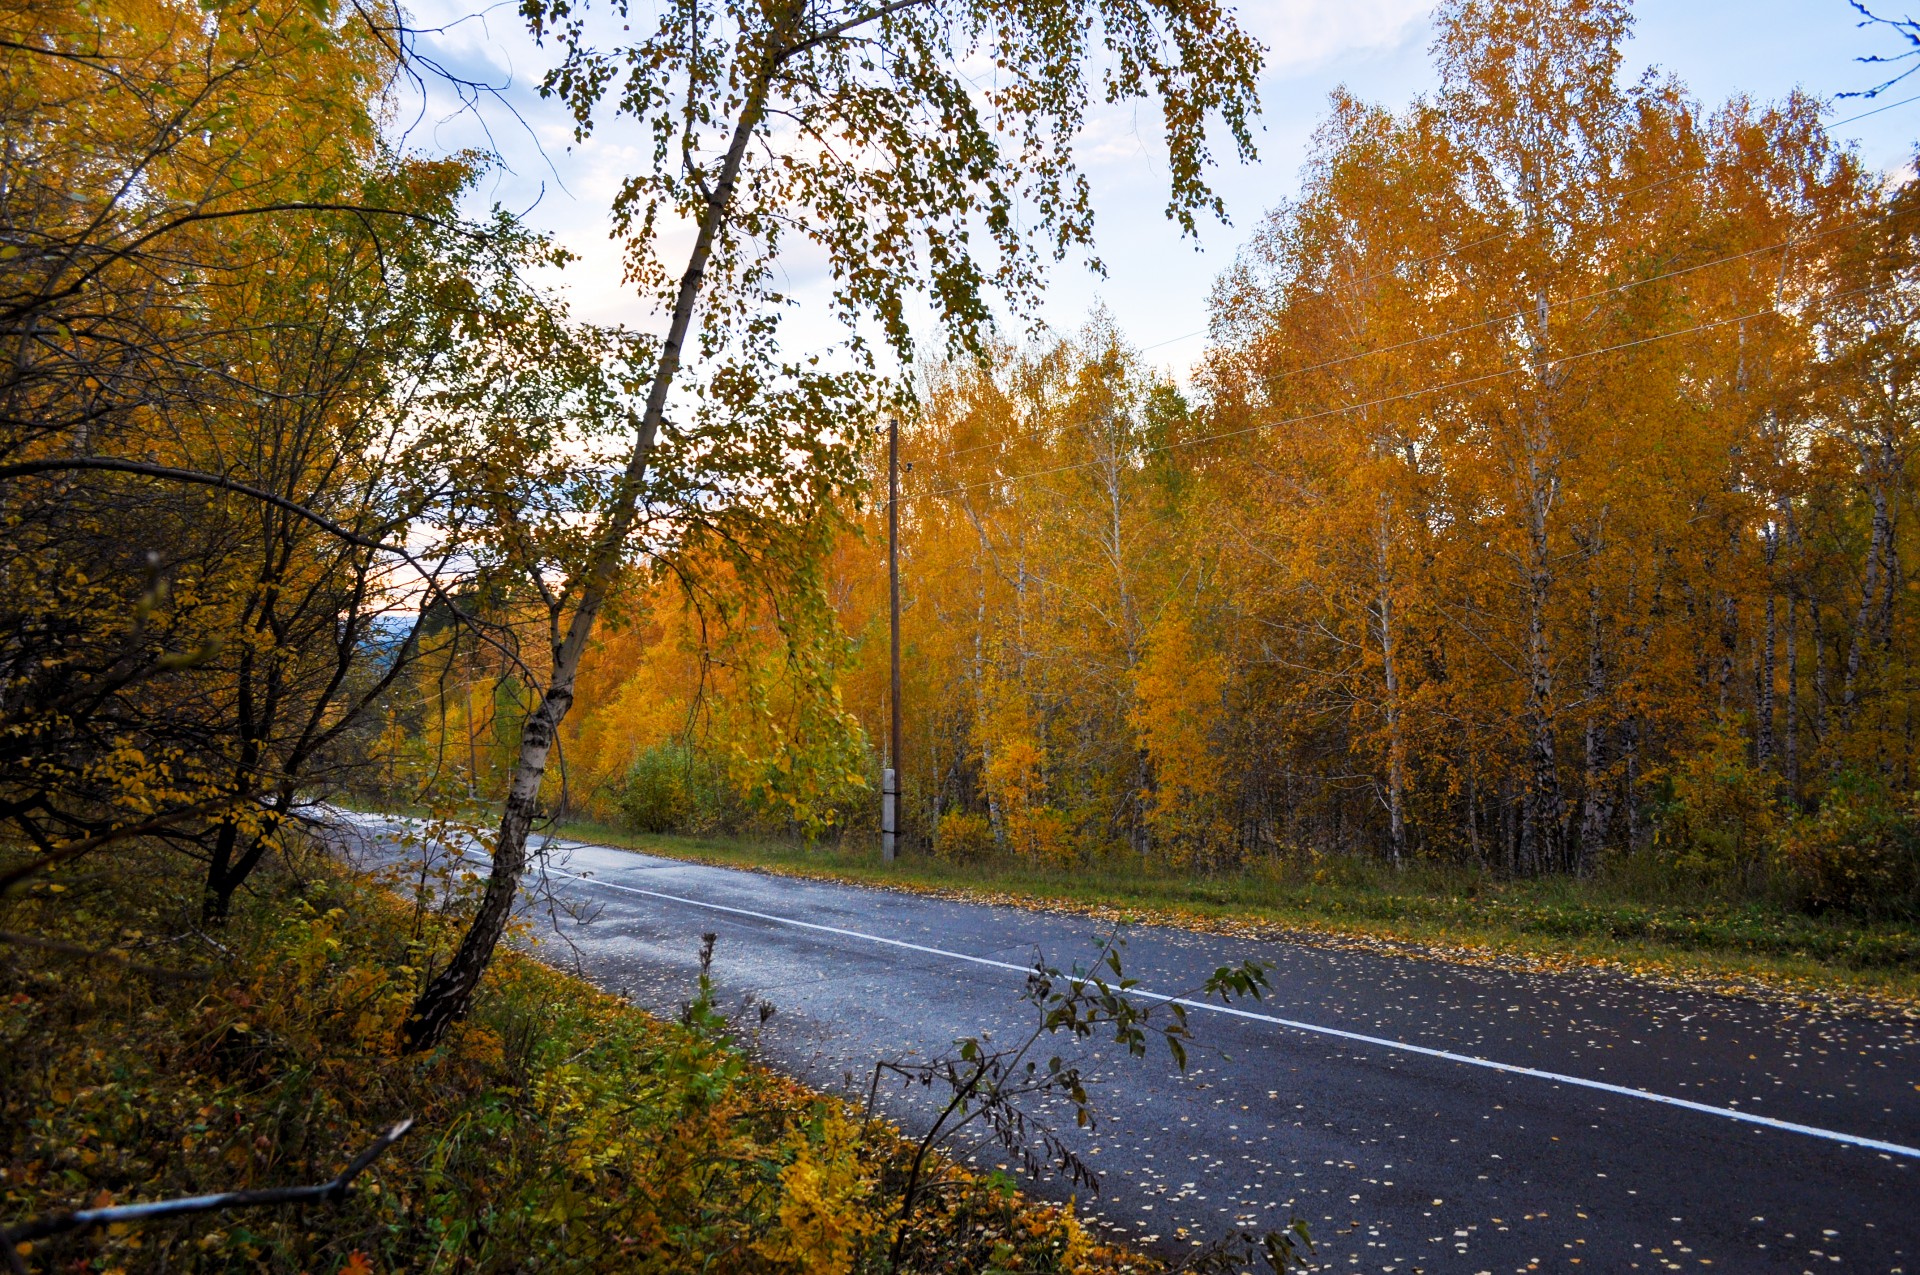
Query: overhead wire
1905	101
1492	321
1689	170
1384	400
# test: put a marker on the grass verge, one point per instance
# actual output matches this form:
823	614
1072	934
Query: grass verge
558	1130
1653	929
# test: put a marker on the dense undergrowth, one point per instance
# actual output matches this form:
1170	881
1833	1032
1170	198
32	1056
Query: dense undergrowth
558	1129
1637	912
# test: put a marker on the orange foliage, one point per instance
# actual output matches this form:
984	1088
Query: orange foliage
1556	421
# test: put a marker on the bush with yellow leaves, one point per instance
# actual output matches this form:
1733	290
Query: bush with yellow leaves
1723	815
1860	852
963	837
826	1211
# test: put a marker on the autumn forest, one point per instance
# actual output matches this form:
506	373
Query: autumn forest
1545	495
1525	571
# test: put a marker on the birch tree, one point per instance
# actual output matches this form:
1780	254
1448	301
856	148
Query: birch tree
922	150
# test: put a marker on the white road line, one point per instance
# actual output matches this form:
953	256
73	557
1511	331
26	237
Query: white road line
1382	1042
1553	1077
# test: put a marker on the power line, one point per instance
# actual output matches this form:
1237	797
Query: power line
1688	171
1464	383
1170	340
1628	194
1905	101
1785	244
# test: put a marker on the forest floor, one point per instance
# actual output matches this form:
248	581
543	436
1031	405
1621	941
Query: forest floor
143	1056
1650	928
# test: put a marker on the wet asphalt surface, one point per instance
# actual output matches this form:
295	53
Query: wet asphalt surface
1396	1161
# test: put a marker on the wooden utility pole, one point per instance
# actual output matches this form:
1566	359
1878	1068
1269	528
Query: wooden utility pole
890	777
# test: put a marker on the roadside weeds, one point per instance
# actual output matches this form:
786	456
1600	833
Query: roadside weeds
559	1125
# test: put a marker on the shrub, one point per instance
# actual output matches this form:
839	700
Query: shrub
962	837
1860	852
659	794
1049	836
1722	819
852	813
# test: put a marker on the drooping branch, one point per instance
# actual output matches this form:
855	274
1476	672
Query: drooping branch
1908	29
429	579
200	478
838	29
74	849
119	252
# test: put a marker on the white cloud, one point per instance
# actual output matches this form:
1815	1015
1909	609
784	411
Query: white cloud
1304	35
1158	286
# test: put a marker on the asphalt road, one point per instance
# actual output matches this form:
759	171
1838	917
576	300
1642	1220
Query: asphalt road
1464	1157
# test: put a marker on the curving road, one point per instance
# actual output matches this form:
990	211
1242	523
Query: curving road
1420	1116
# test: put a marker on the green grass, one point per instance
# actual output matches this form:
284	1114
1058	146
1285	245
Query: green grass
1642	921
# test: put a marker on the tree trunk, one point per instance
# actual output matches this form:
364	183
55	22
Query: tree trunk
1865	620
1728	608
1791	736
1630	779
1596	811
1890	467
1764	742
1544	808
1543	827
1821	694
1473	812
445	999
1510	829
980	705
217	896
1390	670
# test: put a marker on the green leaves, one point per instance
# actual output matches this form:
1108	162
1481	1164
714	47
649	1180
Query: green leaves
997	1084
1249	978
873	148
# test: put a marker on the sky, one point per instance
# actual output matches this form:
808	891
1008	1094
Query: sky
1157	282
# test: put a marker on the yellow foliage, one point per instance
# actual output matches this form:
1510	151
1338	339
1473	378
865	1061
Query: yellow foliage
962	836
590	1135
825	1212
1077	1246
1179	688
1723	819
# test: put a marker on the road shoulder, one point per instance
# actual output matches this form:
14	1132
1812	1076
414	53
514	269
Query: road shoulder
1804	984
